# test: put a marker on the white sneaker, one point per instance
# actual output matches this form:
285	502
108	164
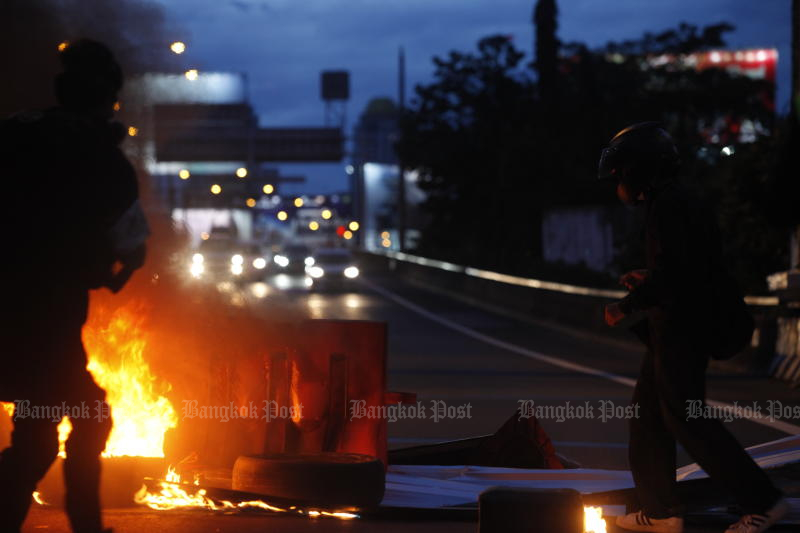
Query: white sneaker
640	522
758	523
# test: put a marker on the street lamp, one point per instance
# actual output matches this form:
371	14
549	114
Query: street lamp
178	47
241	172
268	189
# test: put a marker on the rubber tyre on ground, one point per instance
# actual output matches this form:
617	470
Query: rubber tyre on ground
326	478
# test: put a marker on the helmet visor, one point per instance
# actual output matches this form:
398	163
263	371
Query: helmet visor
609	160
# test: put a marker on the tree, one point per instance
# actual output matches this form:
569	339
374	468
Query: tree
492	161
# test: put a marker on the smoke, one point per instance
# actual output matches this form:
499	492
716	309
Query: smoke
30	32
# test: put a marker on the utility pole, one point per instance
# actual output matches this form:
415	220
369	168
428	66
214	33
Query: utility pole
401	179
794	115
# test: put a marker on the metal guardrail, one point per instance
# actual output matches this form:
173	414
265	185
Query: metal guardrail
535	283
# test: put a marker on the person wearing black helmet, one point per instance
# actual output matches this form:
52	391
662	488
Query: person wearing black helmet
73	223
675	299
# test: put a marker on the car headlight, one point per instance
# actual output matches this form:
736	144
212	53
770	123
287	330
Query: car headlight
315	272
351	272
237	260
237	270
281	261
309	261
259	263
197	259
196	270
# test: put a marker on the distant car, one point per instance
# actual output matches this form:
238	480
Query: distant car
292	259
223	259
332	267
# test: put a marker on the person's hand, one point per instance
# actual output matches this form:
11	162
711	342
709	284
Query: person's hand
614	314
634	278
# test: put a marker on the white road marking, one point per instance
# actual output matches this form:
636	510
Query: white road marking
779	425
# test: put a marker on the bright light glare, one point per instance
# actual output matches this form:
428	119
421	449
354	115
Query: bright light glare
260	263
236	270
260	290
204	236
298	202
385	235
268	189
347	235
63	46
282	215
198	258
351	272
281	261
251	202
132	131
386	243
593	521
313	225
326	214
197	270
761	55
216	189
308	281
309	261
184	174
315	272
354	226
237	259
178	47
241	172
716	57
191	75
728	151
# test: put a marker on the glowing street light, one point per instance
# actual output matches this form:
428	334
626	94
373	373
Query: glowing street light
241	172
132	131
282	215
268	189
298	202
348	235
385	235
216	189
313	225
326	214
251	202
184	174
178	47
353	226
192	74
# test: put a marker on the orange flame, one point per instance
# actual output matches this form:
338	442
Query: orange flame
142	415
172	495
593	521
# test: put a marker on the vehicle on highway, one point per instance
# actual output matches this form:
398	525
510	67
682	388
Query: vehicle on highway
223	259
333	267
292	259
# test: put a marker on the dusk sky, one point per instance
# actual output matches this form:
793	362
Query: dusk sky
283	45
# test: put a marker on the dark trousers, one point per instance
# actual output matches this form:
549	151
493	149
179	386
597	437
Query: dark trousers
34	447
670	377
44	362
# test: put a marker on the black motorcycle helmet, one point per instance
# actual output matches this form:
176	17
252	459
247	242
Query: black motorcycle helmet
639	156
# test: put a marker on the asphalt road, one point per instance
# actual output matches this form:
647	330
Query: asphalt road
459	355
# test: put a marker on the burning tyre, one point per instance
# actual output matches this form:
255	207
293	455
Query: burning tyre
332	479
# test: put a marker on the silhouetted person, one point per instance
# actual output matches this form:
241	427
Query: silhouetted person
71	222
683	293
